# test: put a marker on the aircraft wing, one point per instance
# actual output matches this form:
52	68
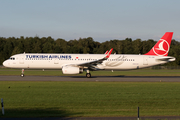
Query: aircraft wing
92	64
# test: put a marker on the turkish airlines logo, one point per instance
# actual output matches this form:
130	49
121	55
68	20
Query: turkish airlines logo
162	48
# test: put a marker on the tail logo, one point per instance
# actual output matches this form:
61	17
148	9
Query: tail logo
162	48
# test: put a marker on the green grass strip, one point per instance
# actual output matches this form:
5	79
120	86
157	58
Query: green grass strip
75	99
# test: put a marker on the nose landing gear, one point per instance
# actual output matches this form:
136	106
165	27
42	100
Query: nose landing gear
22	73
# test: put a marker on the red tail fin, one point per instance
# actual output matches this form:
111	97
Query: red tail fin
161	48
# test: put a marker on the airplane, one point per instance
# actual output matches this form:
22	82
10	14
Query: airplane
78	63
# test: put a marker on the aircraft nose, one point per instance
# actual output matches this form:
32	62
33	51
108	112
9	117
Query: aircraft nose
5	63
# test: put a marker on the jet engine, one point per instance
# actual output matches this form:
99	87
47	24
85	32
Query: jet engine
71	70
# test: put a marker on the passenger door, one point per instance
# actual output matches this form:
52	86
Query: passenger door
145	60
21	60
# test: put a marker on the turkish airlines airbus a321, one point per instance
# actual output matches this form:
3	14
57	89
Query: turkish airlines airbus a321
77	63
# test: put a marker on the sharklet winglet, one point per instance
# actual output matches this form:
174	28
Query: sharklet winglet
109	53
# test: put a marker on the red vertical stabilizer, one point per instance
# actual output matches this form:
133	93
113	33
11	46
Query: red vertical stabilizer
161	48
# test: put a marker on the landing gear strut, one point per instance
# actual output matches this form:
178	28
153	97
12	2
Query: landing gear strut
22	73
88	75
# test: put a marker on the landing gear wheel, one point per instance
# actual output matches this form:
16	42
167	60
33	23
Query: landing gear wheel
22	75
88	75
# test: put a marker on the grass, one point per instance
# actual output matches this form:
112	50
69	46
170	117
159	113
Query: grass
86	99
139	72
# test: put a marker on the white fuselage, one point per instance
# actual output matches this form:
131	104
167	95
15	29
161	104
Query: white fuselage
57	61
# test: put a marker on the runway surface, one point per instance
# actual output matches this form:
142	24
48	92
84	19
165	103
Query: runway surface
94	78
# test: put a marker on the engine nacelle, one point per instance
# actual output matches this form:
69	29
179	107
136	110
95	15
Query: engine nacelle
100	66
71	70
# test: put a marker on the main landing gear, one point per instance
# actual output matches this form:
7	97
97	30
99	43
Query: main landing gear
22	73
88	75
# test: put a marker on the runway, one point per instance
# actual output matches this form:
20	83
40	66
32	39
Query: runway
94	78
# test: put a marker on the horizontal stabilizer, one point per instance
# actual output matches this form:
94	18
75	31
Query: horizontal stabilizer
168	59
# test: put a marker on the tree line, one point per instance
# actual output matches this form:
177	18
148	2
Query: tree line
10	46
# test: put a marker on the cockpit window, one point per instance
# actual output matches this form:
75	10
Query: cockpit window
12	58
